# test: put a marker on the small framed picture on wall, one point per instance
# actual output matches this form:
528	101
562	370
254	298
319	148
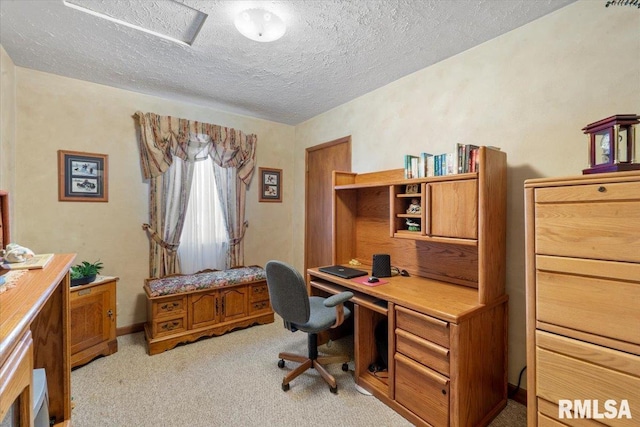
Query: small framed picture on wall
82	177
270	185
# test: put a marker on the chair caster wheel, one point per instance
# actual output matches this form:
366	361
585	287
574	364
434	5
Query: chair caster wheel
345	367
334	390
285	387
281	363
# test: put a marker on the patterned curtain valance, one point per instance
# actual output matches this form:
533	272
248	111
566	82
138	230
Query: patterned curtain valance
163	137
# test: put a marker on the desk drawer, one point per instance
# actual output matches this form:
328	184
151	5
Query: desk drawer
432	355
424	326
422	391
595	305
571	369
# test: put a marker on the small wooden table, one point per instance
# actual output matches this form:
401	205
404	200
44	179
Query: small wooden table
93	320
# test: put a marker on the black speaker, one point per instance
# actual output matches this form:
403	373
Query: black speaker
381	265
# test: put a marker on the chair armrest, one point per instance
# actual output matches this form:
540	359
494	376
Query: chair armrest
336	299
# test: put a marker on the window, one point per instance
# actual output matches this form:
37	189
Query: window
204	241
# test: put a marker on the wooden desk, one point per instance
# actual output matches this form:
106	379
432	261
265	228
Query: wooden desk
34	333
447	353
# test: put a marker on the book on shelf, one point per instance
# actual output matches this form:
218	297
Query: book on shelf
36	261
411	166
467	158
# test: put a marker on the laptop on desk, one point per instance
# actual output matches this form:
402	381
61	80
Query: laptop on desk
343	272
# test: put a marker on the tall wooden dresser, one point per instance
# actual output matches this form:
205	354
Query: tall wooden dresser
583	300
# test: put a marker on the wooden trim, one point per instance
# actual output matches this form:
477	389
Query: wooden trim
329	144
131	329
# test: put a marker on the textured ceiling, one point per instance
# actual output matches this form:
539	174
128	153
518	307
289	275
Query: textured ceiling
333	50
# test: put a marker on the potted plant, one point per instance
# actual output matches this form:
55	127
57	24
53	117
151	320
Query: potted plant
84	273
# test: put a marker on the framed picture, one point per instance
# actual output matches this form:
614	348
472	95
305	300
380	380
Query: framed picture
270	185
82	177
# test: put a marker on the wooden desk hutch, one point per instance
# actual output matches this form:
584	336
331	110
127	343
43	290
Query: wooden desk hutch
447	322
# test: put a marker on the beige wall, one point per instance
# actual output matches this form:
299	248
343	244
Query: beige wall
7	122
56	113
528	92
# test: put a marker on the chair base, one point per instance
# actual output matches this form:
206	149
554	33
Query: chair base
317	364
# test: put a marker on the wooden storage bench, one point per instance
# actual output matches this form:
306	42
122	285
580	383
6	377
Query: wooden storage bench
185	308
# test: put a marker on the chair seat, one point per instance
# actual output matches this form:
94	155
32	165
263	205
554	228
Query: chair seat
321	317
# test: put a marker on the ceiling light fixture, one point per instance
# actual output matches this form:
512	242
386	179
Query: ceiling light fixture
260	25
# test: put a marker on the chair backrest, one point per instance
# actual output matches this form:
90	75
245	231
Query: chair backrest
288	292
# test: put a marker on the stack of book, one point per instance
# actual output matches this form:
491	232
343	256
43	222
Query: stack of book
463	160
418	166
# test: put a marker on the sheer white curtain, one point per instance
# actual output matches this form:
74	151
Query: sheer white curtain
204	242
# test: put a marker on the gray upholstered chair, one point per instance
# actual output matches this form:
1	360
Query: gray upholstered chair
290	299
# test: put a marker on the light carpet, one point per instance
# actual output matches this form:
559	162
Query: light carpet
230	380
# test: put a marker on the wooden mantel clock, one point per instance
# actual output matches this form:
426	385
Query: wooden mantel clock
612	144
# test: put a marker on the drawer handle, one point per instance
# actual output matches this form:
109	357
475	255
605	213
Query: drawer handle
170	326
443	352
169	307
602	189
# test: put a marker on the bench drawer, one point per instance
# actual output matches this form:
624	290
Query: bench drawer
169	326
259	292
259	307
424	326
169	306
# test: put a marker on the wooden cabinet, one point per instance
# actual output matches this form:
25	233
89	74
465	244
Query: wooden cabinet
583	296
449	209
34	333
93	320
447	333
217	306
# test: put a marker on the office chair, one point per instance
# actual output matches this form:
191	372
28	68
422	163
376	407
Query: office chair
289	298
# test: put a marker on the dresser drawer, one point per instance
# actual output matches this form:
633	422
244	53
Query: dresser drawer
259	292
569	369
424	326
599	306
604	192
169	307
430	354
422	391
594	230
